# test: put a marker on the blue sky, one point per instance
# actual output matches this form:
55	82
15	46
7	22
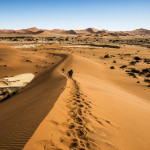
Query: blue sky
75	14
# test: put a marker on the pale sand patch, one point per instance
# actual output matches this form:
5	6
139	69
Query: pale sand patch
17	81
26	46
81	46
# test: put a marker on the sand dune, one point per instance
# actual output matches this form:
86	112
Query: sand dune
140	31
99	108
71	32
21	114
93	113
35	31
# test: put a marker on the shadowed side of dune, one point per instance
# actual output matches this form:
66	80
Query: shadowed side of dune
21	114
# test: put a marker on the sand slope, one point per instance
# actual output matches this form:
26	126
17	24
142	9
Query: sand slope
93	113
21	114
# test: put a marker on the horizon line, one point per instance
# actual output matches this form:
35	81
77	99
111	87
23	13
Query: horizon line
69	29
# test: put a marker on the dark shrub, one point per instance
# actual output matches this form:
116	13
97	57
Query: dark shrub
112	67
147	80
124	66
147	61
134	70
145	71
28	60
106	56
148	75
132	74
132	62
137	58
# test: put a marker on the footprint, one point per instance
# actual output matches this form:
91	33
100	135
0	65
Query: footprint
107	121
77	95
70	132
74	103
80	132
99	122
72	126
80	112
73	145
82	144
81	105
78	101
86	103
79	120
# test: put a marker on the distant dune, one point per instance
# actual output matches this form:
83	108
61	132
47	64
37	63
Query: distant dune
36	31
140	31
71	32
92	30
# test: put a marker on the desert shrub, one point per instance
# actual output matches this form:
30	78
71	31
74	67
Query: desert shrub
137	58
147	61
114	61
135	70
106	56
147	80
29	39
132	74
132	62
127	54
113	56
124	66
112	67
28	60
15	39
148	75
145	71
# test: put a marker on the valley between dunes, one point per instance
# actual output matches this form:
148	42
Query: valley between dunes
97	109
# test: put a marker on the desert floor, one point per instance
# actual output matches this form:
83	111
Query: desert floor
103	107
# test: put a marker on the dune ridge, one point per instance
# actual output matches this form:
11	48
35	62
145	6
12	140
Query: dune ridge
93	114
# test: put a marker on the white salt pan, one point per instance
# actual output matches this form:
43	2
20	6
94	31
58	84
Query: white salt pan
17	81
